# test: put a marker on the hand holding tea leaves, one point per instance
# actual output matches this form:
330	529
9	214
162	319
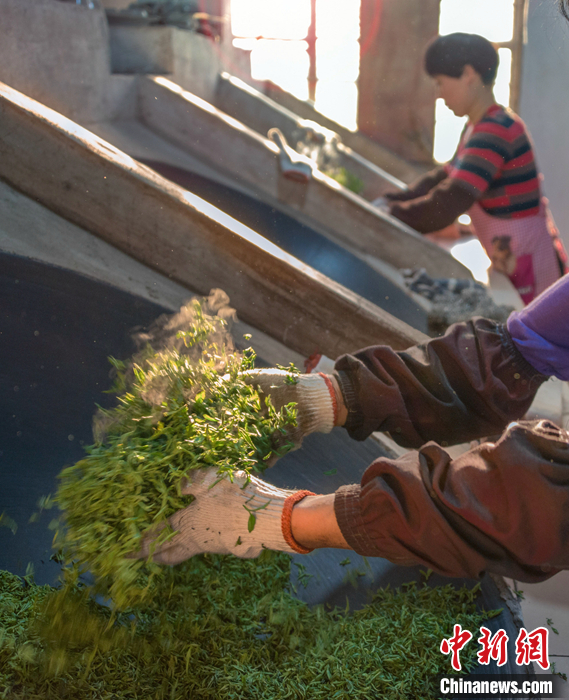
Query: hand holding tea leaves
314	396
239	515
181	409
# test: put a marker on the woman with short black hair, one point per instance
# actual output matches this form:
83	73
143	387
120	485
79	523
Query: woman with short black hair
493	175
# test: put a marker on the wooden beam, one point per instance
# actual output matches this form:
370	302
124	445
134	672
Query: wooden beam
323	204
517	48
94	185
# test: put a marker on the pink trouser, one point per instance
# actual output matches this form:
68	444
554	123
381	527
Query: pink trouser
526	250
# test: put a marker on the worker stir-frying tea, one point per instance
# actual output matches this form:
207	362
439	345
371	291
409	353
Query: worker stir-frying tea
424	508
173	476
214	626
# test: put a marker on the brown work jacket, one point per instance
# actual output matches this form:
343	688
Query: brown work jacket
503	506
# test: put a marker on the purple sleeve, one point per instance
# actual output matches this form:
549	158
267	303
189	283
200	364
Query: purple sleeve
541	330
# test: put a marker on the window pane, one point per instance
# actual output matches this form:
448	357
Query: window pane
493	19
271	19
283	62
337	61
338	101
502	86
447	132
339	19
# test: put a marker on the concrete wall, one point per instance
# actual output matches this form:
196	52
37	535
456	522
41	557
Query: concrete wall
191	60
57	52
116	4
545	102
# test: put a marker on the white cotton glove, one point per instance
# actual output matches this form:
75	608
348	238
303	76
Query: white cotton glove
218	520
313	394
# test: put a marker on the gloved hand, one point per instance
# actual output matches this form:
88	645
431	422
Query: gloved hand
239	517
314	395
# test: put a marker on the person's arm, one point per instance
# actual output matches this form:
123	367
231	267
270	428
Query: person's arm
435	210
468	384
501	507
541	330
478	161
314	524
419	187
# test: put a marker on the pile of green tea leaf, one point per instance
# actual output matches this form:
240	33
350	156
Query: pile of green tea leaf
183	407
214	627
221	628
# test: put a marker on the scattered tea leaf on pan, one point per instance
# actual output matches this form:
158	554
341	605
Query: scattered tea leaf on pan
7	521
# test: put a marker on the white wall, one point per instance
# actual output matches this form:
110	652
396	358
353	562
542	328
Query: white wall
545	102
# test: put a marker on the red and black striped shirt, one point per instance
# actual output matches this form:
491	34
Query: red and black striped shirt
495	162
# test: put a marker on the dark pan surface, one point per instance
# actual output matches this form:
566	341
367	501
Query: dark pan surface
57	329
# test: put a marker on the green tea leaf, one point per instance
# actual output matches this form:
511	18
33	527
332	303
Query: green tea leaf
7	521
251	522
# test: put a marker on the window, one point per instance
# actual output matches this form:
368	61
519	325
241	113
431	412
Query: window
308	47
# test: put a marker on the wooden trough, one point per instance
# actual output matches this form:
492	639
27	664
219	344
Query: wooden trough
261	113
92	184
200	128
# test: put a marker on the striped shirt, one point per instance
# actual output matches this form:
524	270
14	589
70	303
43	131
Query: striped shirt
495	162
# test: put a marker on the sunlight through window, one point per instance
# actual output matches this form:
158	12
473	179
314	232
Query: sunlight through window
493	19
270	19
502	86
448	129
473	256
275	32
285	63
